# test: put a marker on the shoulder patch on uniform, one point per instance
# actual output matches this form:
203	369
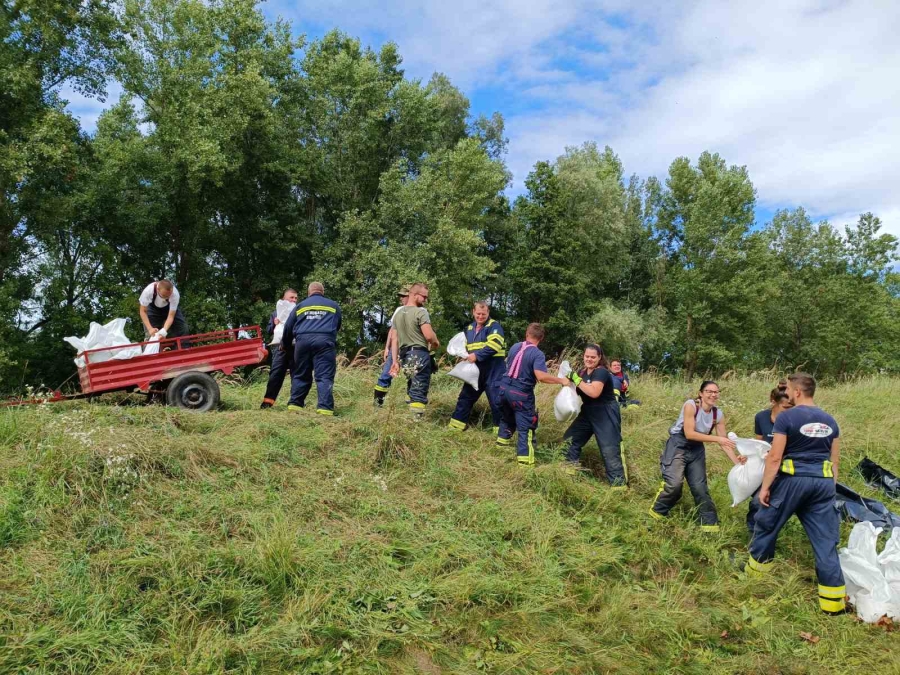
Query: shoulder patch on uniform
816	430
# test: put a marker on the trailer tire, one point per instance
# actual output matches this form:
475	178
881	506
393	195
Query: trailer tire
194	391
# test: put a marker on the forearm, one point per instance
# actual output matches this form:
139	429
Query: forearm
771	471
169	321
835	457
547	378
593	390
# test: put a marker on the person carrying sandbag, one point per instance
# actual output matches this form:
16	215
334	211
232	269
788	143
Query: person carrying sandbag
411	346
526	366
684	456
280	359
600	417
486	345
800	477
763	425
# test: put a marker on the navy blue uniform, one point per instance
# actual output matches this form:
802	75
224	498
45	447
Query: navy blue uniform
311	332
804	486
488	343
517	404
602	418
762	426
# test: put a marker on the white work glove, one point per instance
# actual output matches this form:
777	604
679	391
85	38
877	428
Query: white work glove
162	332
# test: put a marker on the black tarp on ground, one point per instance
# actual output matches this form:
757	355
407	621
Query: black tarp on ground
879	478
856	508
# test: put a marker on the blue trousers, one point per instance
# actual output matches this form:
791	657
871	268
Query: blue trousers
314	355
489	373
277	371
518	412
603	422
417	366
811	499
385	379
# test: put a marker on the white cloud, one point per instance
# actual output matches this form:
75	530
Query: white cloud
803	92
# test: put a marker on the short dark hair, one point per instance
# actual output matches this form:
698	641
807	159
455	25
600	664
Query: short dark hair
706	383
805	381
536	331
165	284
289	290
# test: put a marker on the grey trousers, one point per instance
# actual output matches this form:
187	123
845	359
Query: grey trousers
683	459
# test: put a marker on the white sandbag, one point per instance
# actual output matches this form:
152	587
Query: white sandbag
153	347
567	404
467	372
282	312
751	447
111	334
889	562
457	347
869	591
564	369
745	479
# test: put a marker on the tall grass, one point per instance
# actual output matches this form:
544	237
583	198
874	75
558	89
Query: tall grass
146	540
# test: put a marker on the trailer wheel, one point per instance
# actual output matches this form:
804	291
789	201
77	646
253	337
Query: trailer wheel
193	391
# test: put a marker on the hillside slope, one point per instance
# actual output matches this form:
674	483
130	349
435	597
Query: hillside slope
140	539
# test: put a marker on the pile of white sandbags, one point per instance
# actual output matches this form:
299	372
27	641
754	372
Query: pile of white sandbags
111	334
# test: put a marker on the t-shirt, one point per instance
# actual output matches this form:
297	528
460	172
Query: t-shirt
147	297
394	315
606	396
533	359
810	432
703	421
763	425
408	322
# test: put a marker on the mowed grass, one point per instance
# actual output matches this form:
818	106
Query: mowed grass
141	539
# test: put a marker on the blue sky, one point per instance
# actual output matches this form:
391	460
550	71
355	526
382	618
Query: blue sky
806	94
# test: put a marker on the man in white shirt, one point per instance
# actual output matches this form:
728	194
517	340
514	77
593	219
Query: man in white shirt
160	312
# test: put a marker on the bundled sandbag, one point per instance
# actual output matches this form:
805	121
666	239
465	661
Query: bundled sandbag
869	590
457	346
567	404
153	347
745	479
282	312
111	334
467	372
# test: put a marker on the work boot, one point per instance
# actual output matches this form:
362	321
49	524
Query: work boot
295	408
379	398
265	405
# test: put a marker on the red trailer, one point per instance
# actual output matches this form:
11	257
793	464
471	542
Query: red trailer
181	369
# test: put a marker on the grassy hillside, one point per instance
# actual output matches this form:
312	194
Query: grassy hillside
140	539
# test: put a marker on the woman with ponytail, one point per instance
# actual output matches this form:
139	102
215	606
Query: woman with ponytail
684	456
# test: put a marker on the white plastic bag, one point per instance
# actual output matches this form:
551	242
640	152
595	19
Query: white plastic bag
567	404
153	347
869	591
111	334
282	312
457	347
745	479
467	372
889	562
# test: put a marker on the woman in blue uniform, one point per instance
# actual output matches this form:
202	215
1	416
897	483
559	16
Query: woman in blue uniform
763	424
600	417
